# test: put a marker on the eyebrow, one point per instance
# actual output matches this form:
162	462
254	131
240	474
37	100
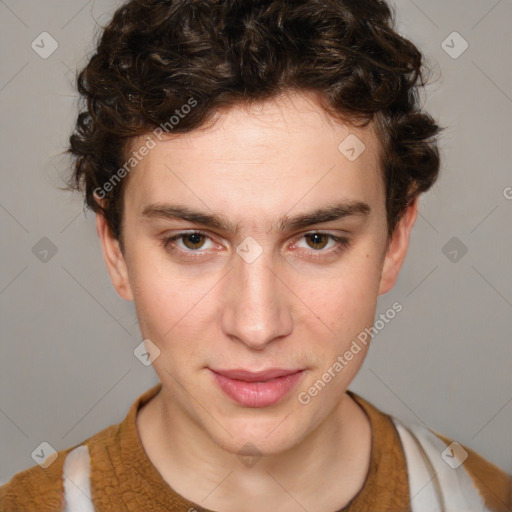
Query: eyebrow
325	214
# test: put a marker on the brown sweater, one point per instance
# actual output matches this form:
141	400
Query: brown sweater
124	479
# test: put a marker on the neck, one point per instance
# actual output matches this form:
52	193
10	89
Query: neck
323	472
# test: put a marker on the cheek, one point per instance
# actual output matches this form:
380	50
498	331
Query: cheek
161	298
342	308
174	311
345	300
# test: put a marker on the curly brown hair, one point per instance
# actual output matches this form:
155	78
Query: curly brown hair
155	56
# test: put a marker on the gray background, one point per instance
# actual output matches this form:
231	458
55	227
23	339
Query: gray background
67	368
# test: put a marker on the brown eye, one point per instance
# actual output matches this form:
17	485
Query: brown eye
191	244
317	240
193	240
319	246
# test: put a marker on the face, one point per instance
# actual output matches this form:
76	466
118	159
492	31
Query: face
256	244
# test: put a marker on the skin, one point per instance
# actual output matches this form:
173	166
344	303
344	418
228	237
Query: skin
286	309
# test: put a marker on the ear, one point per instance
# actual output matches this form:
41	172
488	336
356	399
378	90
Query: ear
397	248
114	258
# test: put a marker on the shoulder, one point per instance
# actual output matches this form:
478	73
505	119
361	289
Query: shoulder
442	469
41	488
493	484
36	488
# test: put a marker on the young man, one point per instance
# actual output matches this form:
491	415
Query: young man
255	167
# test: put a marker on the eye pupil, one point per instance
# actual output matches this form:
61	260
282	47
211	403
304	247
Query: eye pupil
316	239
194	238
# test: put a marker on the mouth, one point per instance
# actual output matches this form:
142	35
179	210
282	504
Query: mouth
257	389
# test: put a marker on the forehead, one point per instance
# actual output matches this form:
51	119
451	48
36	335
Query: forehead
257	160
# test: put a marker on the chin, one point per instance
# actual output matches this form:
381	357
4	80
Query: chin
267	438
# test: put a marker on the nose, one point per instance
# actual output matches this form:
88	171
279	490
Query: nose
257	310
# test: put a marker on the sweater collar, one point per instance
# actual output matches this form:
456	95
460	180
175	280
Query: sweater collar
381	489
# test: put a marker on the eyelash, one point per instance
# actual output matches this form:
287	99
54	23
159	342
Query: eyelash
342	244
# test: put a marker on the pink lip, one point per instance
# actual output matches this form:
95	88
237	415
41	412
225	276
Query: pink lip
257	389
